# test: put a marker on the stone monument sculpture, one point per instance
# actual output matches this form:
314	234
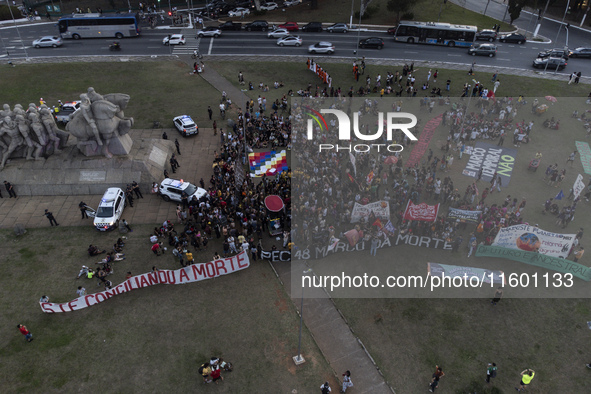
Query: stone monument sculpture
100	125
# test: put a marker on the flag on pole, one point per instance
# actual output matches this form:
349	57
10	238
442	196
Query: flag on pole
560	195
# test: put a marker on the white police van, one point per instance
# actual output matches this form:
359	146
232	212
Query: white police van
172	189
110	209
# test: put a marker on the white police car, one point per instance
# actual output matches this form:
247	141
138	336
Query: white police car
171	189
185	125
110	209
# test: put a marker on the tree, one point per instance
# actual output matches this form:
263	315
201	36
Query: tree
400	6
515	7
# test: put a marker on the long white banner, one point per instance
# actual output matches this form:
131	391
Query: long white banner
190	274
381	209
533	239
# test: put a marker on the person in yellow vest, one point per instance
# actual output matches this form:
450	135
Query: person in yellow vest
527	375
189	257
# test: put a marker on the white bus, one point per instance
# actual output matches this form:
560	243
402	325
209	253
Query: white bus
435	33
97	25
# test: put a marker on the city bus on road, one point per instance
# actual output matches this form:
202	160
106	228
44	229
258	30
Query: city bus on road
99	26
435	33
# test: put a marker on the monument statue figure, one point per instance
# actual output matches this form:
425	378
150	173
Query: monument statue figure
23	128
9	128
99	121
51	127
6	111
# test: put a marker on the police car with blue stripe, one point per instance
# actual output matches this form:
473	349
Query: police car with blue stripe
110	209
185	125
172	189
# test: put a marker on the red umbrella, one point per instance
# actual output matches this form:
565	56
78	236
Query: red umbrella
552	99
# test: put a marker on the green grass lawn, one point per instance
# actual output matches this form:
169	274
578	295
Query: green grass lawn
148	340
151	85
340	11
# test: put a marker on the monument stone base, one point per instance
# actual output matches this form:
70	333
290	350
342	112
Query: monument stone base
72	173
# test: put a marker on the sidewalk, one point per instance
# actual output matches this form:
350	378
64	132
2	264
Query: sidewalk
195	160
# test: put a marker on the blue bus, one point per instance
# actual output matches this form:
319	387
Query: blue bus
97	25
435	33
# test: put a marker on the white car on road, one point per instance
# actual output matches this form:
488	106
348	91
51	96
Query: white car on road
209	32
321	47
290	41
278	33
48	41
289	3
175	39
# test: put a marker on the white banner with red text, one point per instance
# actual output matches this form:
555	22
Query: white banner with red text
190	274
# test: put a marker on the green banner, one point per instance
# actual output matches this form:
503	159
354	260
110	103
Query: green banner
585	155
539	260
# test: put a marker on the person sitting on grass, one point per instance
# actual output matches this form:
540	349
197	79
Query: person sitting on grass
94	250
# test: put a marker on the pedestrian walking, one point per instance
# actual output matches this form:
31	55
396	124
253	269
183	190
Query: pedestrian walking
81	291
494	77
496	85
209	112
498	295
9	189
82	207
178	146
50	217
573	76
215	128
23	329
437	375
491	372
571	158
579	254
127	226
471	71
527	375
325	388
374	246
164	136
346	381
479	174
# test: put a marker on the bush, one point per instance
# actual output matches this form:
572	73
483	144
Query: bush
369	12
408	16
5	13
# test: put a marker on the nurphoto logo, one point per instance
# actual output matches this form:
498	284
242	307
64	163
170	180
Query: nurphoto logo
344	127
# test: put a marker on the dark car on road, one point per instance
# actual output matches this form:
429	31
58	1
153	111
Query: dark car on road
229	25
486	35
581	52
338	28
554	53
550	63
513	37
372	42
257	25
312	27
489	50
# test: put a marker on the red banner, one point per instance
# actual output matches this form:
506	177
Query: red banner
422	211
192	273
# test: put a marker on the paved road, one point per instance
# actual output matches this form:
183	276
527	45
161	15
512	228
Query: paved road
247	43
